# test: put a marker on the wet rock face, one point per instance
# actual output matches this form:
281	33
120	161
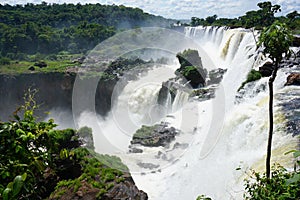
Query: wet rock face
54	91
216	76
293	79
267	69
296	41
125	190
154	136
191	68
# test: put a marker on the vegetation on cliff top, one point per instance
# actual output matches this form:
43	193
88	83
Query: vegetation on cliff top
259	19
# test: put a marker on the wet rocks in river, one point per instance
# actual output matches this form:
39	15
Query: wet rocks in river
216	76
293	79
154	136
266	69
147	165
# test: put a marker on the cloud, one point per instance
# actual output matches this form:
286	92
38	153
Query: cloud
184	9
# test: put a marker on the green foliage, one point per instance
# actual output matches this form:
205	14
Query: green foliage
283	184
188	70
145	131
4	61
51	28
31	151
86	134
258	19
276	40
253	75
203	197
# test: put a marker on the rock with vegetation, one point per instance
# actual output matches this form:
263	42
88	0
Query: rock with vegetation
253	75
154	136
191	68
41	64
38	161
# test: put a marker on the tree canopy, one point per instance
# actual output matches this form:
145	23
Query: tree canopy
259	19
51	28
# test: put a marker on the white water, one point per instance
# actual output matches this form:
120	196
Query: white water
220	134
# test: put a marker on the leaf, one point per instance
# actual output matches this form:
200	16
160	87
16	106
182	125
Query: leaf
10	185
294	179
5	194
296	154
291	151
24	176
17	186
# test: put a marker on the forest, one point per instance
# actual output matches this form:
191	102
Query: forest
258	19
51	28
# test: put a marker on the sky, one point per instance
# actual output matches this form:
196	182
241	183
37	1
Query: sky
183	9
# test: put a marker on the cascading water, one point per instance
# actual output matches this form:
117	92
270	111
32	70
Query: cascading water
242	140
221	134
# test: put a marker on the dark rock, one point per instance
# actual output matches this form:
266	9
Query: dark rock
296	41
181	146
216	76
171	88
154	136
31	68
267	69
191	68
147	165
79	60
41	64
125	190
293	79
204	94
135	150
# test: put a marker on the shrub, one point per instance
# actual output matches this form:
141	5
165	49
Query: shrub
253	75
283	184
4	61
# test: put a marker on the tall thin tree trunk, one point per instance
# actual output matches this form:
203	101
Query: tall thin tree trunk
269	148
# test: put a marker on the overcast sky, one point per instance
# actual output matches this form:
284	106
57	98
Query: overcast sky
183	9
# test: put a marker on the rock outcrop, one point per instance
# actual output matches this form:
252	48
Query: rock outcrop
267	69
293	79
154	136
216	76
191	68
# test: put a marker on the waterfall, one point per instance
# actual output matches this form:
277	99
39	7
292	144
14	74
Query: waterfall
217	136
181	99
243	132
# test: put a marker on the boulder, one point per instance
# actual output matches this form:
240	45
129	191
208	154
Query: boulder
154	136
267	69
31	68
191	68
125	190
41	64
296	41
293	79
135	150
216	76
